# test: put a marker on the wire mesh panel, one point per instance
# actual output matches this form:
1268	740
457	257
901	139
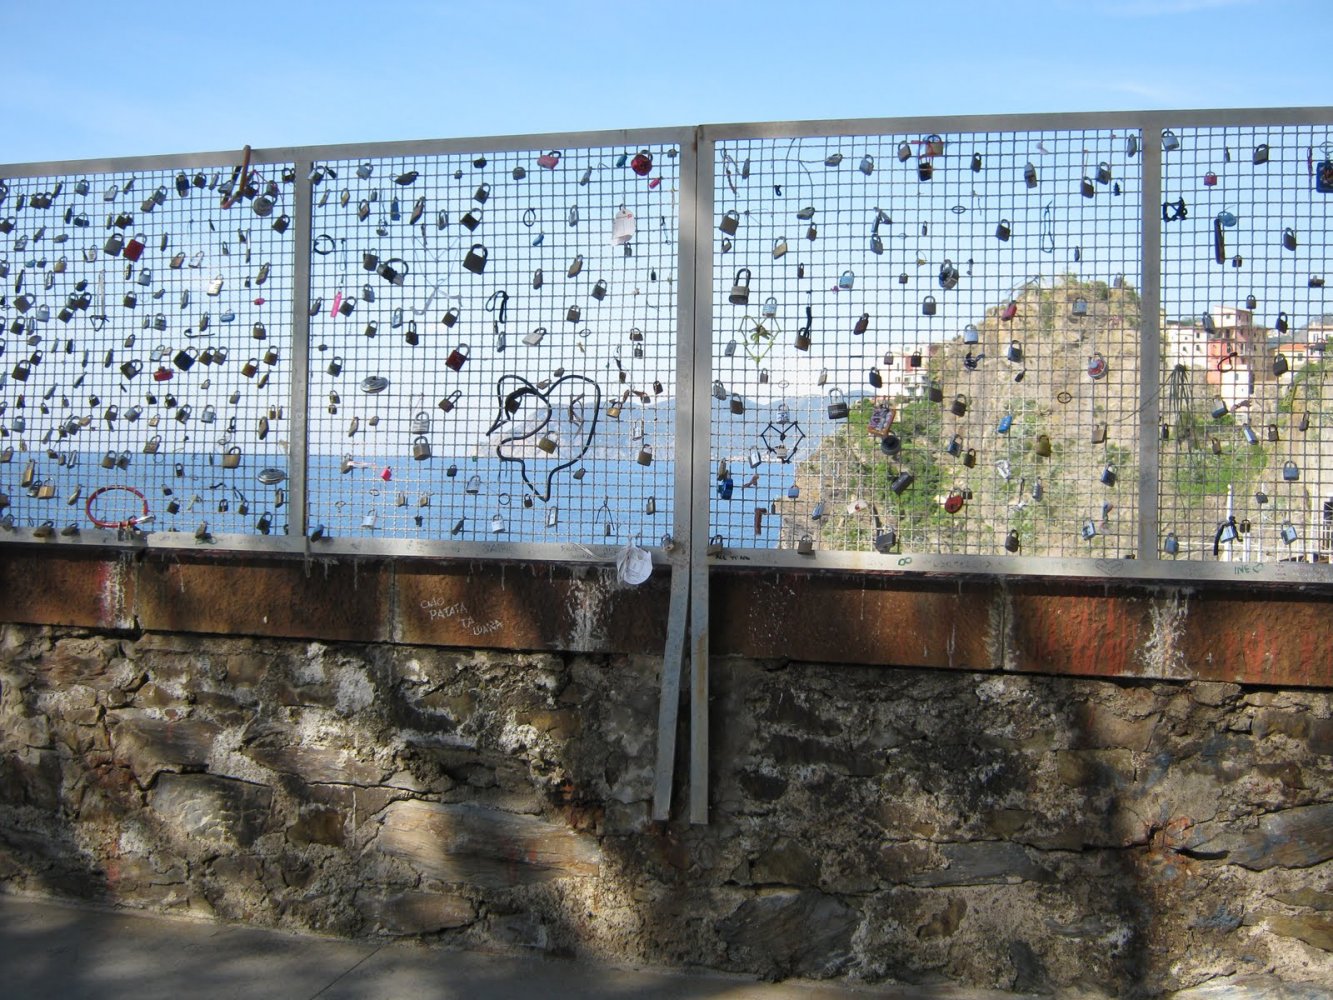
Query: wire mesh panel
144	371
493	345
1246	471
927	343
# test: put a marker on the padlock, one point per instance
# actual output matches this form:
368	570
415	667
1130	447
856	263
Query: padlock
1043	445
805	545
1086	189
1281	324
902	482
573	313
458	357
730	222
928	306
475	261
1003	231
549	442
935	392
250	368
1304	424
948	276
1006	422
1209	179
1099	432
976	163
613	409
335	367
737	403
599	289
802	339
575	266
1288	239
1030	175
867	166
953	503
970	458
1108	476
450	317
1260	154
186	357
1280	365
1097	367
740	289
535	337
151	446
971	334
1219	408
925	169
131	369
959	405
779	247
955	446
646	455
393	275
1290	471
183	413
372	328
875	379
837	405
1011	542
847	280
420	447
130	300
210	414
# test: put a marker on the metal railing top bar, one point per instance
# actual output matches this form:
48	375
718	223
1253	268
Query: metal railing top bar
341	151
1017	122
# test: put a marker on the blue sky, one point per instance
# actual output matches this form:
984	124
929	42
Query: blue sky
183	77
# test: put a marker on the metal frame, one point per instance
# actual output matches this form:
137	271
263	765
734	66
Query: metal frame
1149	566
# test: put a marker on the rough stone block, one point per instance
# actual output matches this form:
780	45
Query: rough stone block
415	912
790	932
988	862
149	745
463	843
207	808
1293	838
324	765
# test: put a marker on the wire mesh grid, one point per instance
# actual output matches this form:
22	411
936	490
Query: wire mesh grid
1246	474
927	343
143	374
493	340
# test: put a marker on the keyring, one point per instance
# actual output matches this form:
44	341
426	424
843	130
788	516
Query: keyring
319	248
503	499
529	217
1063	396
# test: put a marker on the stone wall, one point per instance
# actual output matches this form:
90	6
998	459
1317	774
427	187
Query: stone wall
994	829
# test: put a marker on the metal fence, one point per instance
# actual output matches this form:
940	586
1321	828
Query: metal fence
1073	344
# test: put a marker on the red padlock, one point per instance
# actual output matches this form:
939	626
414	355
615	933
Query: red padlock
1009	311
953	503
549	160
1210	179
642	163
458	357
134	248
163	374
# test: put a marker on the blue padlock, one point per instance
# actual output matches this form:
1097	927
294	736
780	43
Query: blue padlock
1006	422
725	487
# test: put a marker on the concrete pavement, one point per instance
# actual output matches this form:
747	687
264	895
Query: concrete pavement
59	950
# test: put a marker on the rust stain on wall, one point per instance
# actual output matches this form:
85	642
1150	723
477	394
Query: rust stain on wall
1060	627
290	598
851	619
